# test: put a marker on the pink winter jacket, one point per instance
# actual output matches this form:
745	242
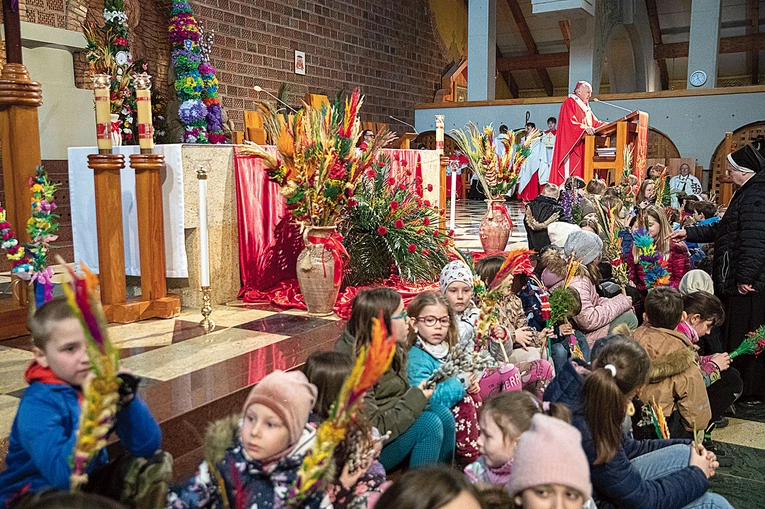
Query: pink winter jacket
597	312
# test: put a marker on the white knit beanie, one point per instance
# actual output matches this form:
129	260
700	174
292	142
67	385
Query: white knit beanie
585	245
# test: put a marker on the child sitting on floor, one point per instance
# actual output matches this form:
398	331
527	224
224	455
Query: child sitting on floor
432	335
438	487
354	486
569	342
540	213
419	429
261	457
520	341
724	385
44	431
675	380
503	419
550	466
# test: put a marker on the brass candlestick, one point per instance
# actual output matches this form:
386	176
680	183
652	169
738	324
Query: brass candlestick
207	324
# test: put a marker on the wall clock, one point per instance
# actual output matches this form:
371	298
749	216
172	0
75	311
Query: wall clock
698	78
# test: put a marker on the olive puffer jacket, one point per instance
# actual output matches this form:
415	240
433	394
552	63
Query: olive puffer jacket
739	239
391	405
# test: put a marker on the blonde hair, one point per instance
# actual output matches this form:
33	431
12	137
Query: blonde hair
596	186
551	191
656	213
432	299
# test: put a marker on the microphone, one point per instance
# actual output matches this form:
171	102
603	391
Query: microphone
259	89
402	122
595	99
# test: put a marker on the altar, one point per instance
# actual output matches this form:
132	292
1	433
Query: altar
245	217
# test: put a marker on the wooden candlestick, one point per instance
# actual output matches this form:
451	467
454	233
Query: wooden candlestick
111	243
151	237
20	139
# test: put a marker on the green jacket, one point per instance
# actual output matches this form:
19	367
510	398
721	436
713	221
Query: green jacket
391	405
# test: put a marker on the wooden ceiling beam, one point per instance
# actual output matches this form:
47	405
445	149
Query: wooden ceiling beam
753	27
509	78
531	45
565	31
653	20
541	61
739	44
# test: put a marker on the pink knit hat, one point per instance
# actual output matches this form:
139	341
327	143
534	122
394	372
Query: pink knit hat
550	453
289	395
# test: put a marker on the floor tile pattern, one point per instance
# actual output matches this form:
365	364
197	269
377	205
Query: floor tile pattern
191	378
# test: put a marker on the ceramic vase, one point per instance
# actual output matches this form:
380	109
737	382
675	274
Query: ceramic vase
316	273
494	230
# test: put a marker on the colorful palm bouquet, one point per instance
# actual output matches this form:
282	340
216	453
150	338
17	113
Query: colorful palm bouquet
653	262
561	303
516	262
753	344
108	52
628	191
189	85
387	226
318	166
371	363
497	175
100	393
101	54
612	243
663	191
14	251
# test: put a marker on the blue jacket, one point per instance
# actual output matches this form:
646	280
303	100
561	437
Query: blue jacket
617	483
44	432
420	366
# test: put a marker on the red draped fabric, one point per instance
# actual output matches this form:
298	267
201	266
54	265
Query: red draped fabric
269	243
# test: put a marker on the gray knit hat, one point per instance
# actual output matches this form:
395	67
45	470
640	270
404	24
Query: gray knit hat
586	245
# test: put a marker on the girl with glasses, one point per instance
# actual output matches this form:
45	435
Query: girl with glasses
420	428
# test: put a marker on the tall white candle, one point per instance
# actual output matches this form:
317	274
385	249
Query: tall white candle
440	134
454	197
204	254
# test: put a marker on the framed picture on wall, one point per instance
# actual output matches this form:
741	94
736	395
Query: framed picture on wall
461	94
299	62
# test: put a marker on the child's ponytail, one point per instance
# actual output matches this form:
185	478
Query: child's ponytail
604	407
620	368
557	410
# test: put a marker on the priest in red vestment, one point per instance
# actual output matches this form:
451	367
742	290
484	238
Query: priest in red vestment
574	121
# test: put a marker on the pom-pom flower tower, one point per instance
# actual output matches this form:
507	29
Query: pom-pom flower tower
184	36
210	91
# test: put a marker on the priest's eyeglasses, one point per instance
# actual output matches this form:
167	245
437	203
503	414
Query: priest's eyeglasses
430	321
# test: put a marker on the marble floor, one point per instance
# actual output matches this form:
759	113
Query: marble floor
191	378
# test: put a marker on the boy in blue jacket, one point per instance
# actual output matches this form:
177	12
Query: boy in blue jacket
44	431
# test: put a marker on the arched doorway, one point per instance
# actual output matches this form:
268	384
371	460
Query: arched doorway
741	137
428	138
660	146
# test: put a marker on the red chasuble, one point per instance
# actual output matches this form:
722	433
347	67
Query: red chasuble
574	116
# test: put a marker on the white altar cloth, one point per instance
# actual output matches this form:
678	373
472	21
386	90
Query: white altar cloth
83	209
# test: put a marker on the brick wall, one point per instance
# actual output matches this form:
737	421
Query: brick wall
388	49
